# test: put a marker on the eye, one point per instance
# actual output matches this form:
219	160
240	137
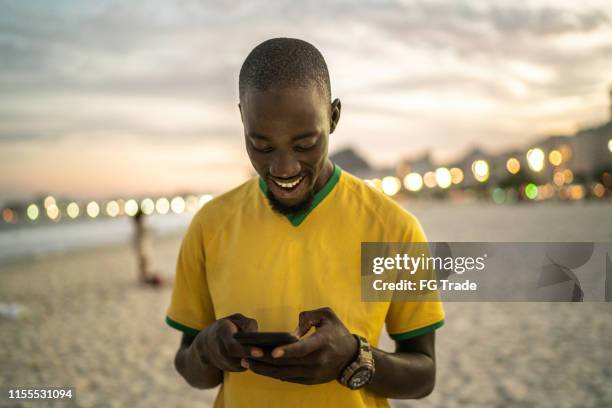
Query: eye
302	147
261	148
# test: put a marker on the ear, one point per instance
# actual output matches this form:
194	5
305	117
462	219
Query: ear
240	109
336	107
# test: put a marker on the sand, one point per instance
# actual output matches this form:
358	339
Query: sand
92	327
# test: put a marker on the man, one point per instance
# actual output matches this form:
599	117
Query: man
283	250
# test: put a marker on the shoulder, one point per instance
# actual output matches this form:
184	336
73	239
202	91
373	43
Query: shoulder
222	208
387	211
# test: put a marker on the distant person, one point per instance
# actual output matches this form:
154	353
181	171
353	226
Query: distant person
284	249
142	246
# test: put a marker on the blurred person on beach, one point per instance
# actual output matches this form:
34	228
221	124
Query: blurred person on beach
282	249
143	249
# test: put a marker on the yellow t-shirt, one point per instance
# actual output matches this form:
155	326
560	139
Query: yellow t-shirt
239	256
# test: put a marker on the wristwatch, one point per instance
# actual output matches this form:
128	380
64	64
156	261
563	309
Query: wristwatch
360	372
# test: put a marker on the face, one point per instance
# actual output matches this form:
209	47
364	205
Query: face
286	134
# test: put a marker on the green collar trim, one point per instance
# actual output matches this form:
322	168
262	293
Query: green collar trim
297	218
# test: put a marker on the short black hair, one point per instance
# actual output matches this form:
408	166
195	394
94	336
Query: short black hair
284	62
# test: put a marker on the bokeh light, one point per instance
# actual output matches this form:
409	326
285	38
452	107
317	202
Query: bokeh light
9	216
499	195
513	165
413	182
480	169
32	212
112	208
147	206
162	206
92	209
131	207
443	177
566	152
207	197
391	185
456	175
599	190
177	205
49	201
53	212
535	159
568	176
558	178
73	210
555	157
430	179
610	144
191	203
531	191
576	192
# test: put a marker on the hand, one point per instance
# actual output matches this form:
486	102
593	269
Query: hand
216	344
316	359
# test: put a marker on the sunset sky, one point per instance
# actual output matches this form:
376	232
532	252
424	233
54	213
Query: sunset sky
121	98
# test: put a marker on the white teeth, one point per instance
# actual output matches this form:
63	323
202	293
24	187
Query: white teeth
289	185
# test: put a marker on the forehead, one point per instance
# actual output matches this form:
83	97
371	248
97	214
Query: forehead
279	109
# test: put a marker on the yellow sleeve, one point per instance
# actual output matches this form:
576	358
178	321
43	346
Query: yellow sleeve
191	308
406	320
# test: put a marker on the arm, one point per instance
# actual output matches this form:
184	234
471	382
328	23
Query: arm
409	372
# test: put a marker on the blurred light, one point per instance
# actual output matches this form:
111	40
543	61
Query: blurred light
555	157
480	168
499	195
413	182
568	176
576	192
207	197
531	191
599	190
147	206
49	201
131	207
610	144
162	205
72	210
443	177
53	212
191	203
535	159
430	179
121	204
456	175
546	191
8	215
93	209
558	178
177	205
112	208
32	212
391	185
513	165
566	152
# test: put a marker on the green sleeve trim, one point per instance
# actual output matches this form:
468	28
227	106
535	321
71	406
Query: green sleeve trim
418	332
297	218
181	327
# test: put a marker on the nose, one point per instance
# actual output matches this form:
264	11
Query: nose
284	165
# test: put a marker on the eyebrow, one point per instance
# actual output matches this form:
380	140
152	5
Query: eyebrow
304	135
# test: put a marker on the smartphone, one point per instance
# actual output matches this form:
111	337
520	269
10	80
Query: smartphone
265	340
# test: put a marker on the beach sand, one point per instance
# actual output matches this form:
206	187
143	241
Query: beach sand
92	327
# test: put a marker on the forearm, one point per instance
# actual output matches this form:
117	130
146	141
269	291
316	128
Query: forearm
194	370
403	375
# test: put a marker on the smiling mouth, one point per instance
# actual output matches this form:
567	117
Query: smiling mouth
288	185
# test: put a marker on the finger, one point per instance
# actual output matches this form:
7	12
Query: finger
301	348
313	318
230	347
275	371
243	323
301	361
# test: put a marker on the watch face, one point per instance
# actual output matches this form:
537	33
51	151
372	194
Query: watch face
361	377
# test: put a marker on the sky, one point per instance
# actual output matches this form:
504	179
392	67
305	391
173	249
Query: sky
114	98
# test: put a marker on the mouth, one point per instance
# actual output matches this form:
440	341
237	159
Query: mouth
288	185
288	190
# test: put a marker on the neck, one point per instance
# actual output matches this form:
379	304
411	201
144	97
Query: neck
328	170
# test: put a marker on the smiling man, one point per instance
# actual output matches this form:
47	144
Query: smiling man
283	250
